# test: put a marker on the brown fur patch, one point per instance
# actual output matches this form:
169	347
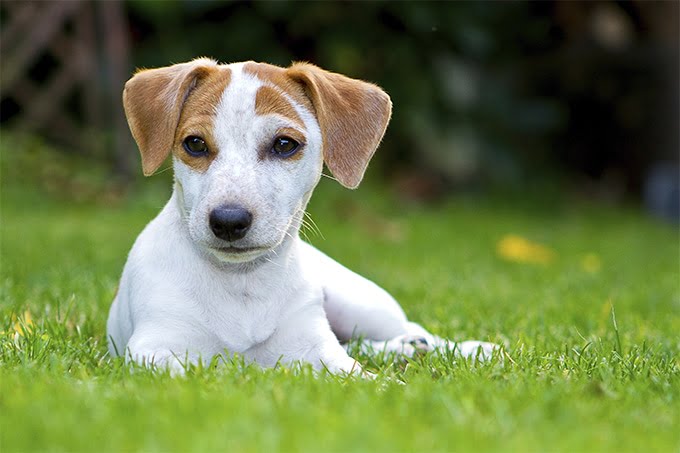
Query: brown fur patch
279	78
153	100
198	116
352	115
269	101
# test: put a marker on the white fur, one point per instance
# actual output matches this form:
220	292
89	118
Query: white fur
182	299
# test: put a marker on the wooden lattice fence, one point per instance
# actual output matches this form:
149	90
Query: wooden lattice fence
62	68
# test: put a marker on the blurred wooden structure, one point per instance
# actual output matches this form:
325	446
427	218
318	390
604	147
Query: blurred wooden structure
63	67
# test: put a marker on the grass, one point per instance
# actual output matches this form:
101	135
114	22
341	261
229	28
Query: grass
591	332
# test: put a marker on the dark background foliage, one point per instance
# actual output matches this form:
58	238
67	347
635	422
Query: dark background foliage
486	94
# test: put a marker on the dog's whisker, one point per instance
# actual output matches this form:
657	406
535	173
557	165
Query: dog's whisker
163	170
308	232
314	225
297	217
329	177
269	260
307	224
285	232
305	236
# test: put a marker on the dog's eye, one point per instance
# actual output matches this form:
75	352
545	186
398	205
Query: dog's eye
285	146
195	146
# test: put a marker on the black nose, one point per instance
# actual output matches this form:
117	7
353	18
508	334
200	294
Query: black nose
230	222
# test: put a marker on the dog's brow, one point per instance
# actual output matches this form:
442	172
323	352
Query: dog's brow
278	78
198	113
269	100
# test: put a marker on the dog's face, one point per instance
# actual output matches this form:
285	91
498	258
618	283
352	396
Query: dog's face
248	142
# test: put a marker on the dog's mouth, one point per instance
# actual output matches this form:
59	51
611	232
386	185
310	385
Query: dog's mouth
238	254
238	250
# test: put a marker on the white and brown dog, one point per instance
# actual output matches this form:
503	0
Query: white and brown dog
222	267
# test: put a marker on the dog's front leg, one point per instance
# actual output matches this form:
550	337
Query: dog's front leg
171	345
305	336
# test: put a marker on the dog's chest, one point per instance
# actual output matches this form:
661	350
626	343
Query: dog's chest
242	319
245	311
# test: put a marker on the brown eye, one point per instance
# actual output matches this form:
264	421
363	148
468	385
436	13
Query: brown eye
285	146
195	146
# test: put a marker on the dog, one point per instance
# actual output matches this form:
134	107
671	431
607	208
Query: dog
222	268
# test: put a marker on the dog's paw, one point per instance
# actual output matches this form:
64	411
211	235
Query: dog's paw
403	345
411	345
475	350
159	360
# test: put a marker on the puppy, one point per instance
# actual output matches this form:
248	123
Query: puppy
222	267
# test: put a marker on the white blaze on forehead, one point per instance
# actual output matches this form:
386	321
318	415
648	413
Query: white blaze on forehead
236	108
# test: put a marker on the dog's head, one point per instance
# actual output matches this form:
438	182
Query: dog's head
248	142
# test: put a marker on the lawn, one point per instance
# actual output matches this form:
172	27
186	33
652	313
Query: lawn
584	296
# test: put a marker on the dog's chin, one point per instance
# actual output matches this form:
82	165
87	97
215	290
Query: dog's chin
238	255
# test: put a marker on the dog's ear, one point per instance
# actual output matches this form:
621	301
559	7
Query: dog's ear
353	116
153	100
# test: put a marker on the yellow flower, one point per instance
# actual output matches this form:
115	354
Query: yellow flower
591	263
24	324
518	249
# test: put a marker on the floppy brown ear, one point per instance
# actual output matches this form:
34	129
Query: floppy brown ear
153	100
353	116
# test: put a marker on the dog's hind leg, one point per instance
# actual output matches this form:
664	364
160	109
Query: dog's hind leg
358	308
355	306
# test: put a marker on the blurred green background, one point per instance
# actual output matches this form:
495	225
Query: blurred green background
526	193
576	98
